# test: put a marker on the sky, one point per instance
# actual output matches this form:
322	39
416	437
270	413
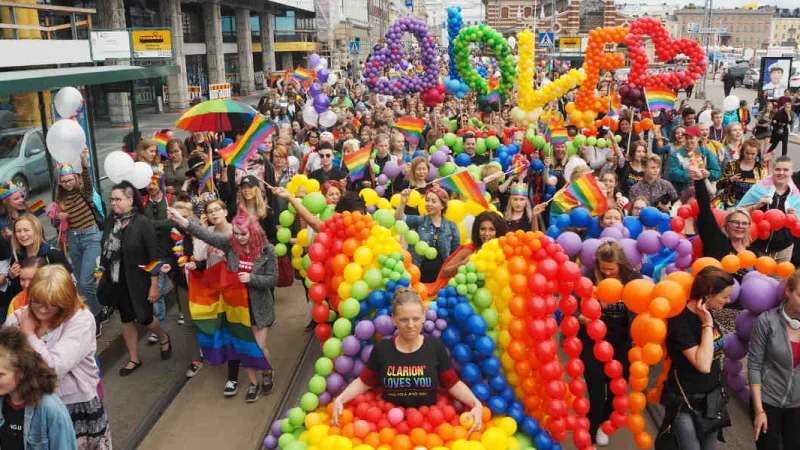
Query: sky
740	3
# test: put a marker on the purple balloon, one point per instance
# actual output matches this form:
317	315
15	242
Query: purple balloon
588	250
734	347
733	365
430	314
670	239
315	89
382	179
737	289
758	293
631	252
334	383
358	367
270	442
351	345
612	233
384	325
276	428
649	242
323	74
744	395
313	60
324	398
736	381
436	333
364	330
684	247
441	324
570	242
438	158
428	326
391	169
432	174
745	322
343	364
366	352
672	268
380	190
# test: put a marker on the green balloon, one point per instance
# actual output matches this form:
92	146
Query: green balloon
459	147
306	261
349	309
449	139
317	384
314	202
446	169
421	247
328	212
602	142
280	249
286	219
342	328
491	317
431	253
323	366
331	316
332	347
482	298
309	402
547	149
461	289
580	140
395	276
412	237
472	288
308	283
296	417
480	146
461	278
539	141
373	278
492	142
286	426
284	235
384	217
571	149
591	140
439	142
392	261
296	445
359	291
286	439
290	208
400	227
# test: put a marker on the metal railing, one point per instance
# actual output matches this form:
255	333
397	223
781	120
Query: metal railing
55	20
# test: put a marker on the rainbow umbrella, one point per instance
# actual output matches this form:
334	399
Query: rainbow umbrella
217	115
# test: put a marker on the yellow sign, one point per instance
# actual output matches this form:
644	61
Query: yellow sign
152	43
573	42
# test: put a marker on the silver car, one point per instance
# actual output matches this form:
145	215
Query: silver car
751	78
22	158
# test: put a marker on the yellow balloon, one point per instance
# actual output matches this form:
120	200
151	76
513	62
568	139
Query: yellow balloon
318	433
384	204
344	290
297	263
313	419
460	444
494	439
311	185
423	211
297	250
363	255
302	237
414	198
507	424
353	272
395	200
456	211
370	196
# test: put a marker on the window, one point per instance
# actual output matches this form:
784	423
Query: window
504	13
528	11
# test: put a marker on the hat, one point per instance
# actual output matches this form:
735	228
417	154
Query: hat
326	135
693	131
9	191
195	162
66	169
249	180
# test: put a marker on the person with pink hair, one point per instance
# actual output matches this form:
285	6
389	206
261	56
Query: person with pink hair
252	257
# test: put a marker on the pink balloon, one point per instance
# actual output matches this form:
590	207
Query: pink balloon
395	416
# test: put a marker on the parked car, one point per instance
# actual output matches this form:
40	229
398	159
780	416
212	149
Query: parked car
23	159
739	74
751	78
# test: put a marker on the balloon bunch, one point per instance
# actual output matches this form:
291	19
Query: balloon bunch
65	138
497	45
762	223
121	167
453	83
433	96
393	53
318	108
587	104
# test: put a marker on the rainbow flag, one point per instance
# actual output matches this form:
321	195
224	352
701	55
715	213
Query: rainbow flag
303	76
463	184
559	136
37	209
585	191
614	105
240	151
161	140
153	267
411	129
494	93
218	304
660	98
357	162
357	123
207	184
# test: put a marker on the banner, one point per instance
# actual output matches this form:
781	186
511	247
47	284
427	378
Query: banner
152	43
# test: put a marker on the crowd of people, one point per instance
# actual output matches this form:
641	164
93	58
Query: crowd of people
52	299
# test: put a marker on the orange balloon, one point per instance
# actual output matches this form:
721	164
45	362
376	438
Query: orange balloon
704	262
348	430
346	417
460	432
516	305
609	291
386	435
785	269
360	428
637	402
518	284
517	350
349	246
747	258
766	265
684	279
446	431
372	439
654	395
415	274
517	265
644	440
402	442
635	354
422	290
433	441
660	307
639	329
639	384
635	423
731	263
671	290
335	431
637	295
639	370
652	353
418	436
656	331
339	262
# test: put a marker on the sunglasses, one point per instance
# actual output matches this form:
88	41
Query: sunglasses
325	155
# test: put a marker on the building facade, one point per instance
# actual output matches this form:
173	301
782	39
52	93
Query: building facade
472	13
744	28
785	28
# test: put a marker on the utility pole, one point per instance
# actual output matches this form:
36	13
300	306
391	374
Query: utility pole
709	4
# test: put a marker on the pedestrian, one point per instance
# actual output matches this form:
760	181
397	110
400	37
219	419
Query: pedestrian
780	129
728	82
28	241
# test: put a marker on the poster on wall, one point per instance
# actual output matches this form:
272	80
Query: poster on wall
152	43
775	74
110	45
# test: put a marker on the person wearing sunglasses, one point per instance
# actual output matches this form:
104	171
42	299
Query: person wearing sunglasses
327	170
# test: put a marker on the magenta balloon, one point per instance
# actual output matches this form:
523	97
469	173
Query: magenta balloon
734	347
570	242
670	239
351	345
745	322
364	330
649	242
588	249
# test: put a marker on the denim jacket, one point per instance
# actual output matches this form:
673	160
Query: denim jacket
448	241
47	425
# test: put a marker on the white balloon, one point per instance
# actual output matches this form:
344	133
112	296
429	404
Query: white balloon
332	79
327	119
65	140
323	62
141	175
705	117
118	165
68	102
310	116
731	103
294	163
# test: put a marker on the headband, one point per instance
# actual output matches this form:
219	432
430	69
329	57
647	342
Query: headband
436	188
8	192
520	189
66	169
332	183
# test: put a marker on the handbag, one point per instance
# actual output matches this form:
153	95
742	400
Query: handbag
714	416
667	439
285	271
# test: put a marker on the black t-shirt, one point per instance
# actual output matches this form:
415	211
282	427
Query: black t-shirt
11	436
409	379
336	173
684	331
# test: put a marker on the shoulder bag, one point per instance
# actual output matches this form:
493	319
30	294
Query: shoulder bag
714	416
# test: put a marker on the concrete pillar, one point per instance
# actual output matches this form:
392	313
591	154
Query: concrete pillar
178	85
215	56
267	43
286	60
111	14
244	49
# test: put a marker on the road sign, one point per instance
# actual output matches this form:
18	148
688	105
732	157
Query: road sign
692	27
355	47
546	40
152	43
569	43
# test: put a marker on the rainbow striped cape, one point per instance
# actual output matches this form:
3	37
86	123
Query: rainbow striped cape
463	184
240	151
357	162
585	191
660	98
411	129
219	309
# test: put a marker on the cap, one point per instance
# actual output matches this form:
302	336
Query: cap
693	131
249	180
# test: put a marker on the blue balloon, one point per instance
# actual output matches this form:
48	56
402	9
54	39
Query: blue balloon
647	268
663	225
450	336
463	160
634	226
555	446
462	353
498	383
530	426
441	302
515	413
650	216
484	345
452	302
470	373
543	442
594	229
376	300
481	391
404	282
563	221
580	217
553	231
364	309
490	366
444	313
476	324
508	394
497	405
536	166
462	312
451	291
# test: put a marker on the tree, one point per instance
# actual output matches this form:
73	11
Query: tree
691	6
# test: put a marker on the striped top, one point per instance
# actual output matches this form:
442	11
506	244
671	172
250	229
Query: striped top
80	216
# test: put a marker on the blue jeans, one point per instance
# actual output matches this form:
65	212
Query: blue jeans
84	249
684	428
159	309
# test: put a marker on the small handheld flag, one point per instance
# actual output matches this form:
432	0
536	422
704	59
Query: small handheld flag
585	191
153	267
357	162
207	184
161	140
240	151
411	129
463	184
660	98
37	209
303	76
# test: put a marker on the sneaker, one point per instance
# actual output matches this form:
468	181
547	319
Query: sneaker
181	319
231	388
601	439
252	393
194	367
152	339
98	329
104	315
267	382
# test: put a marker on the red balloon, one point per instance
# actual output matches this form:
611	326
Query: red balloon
776	219
618	420
322	332
537	284
572	346
582	439
581	405
677	224
556	389
317	292
557	408
757	216
591	309
316	272
536	306
320	313
618	386
548	268
557	425
317	252
596	329
603	351
577	387
569	305
583	288
551	370
608	428
570	325
613	369
574	367
685	212
621	403
546	350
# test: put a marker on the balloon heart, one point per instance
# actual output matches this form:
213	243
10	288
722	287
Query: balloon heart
596	59
497	45
393	54
665	49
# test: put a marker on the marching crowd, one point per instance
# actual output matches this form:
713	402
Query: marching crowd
53	298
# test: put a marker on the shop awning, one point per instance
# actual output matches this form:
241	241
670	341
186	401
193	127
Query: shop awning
23	81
